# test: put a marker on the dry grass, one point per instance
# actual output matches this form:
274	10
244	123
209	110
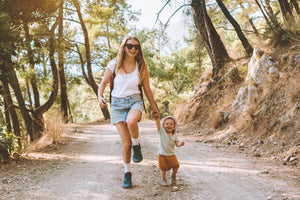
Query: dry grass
270	117
54	127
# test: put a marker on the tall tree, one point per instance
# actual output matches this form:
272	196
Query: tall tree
23	12
294	4
10	112
212	41
237	28
91	80
33	79
61	68
286	12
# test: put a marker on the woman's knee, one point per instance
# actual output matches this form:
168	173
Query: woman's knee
127	144
131	123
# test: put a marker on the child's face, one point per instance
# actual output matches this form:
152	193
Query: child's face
169	125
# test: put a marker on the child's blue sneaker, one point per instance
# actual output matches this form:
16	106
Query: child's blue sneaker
137	154
127	180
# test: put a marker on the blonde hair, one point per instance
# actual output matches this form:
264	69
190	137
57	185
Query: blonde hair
143	68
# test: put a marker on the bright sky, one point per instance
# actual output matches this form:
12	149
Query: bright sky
149	10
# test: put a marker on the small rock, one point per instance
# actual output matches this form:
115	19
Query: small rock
292	158
287	158
265	171
174	188
4	181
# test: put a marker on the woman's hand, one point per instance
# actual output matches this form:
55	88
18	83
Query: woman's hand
102	102
155	114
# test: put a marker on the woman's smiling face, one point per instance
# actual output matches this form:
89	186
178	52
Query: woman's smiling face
132	48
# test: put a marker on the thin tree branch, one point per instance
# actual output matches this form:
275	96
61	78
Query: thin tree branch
157	18
176	12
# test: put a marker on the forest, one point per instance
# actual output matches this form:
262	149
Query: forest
53	55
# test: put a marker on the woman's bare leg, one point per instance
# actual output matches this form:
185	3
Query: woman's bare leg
133	117
126	139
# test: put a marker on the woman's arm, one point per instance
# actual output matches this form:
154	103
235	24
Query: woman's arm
101	88
149	95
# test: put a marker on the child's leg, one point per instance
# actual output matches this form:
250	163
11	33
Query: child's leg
163	174
174	171
164	181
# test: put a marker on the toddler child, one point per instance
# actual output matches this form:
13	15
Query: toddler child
168	139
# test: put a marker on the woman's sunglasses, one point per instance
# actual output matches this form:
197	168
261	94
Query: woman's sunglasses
136	46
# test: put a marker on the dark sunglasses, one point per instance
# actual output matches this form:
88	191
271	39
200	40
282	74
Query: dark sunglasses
136	46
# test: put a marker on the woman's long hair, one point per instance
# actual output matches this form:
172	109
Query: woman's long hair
139	58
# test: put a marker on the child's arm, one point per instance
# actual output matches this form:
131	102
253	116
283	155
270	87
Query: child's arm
179	144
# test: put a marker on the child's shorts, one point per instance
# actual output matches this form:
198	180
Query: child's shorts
167	162
120	107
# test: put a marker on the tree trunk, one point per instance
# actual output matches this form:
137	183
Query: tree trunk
255	31
268	9
286	12
87	47
7	115
91	81
11	114
38	122
263	13
296	6
61	69
8	69
237	28
211	38
33	80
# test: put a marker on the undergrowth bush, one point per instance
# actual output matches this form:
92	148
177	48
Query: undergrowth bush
6	142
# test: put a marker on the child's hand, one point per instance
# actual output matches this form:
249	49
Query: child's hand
181	143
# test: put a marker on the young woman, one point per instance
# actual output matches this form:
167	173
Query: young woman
130	71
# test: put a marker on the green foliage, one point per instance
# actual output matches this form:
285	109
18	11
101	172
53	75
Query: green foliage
107	26
6	141
281	37
8	36
83	102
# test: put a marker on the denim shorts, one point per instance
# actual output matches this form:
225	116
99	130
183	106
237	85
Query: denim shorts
120	107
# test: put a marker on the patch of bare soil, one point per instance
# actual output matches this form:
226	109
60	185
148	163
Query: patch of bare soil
87	164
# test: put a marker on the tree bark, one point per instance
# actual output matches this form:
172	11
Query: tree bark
61	68
38	112
237	28
296	6
7	115
286	12
211	38
33	80
10	113
263	13
8	69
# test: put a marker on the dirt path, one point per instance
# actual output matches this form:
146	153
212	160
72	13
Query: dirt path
88	165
